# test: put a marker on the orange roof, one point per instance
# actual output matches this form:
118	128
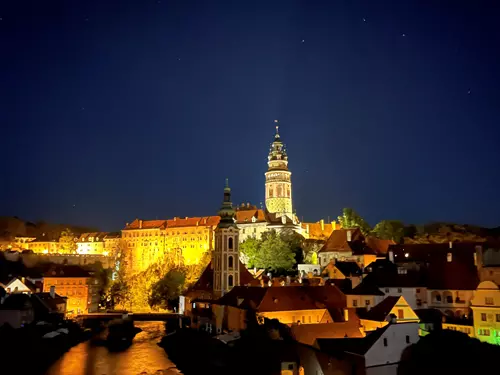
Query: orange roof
338	240
146	224
378	245
177	222
246	216
316	232
308	333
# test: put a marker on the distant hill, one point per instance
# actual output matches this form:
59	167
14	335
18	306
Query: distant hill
445	232
11	227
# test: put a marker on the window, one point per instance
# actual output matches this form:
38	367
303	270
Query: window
293	318
387	290
230	260
401	314
385	342
417	290
270	193
407	339
309	318
230	281
484	332
303	319
498	318
290	366
488	301
483	317
230	243
355	303
400	290
317	318
367	302
449	299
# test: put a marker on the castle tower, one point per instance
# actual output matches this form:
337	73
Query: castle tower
278	179
225	259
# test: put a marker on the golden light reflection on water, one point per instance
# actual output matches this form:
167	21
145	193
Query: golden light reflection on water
143	357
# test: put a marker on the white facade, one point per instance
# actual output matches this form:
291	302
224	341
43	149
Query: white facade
388	348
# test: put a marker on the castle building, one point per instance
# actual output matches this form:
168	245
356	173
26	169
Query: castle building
225	257
185	240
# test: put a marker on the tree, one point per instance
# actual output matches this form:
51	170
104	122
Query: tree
249	250
389	230
274	253
350	219
167	289
67	242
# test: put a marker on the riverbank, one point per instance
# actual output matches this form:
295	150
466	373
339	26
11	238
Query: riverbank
33	348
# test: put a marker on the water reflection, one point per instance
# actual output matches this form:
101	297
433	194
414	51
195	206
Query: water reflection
143	357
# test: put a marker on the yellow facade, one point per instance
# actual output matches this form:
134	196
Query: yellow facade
76	289
486	312
185	240
401	310
468	330
44	247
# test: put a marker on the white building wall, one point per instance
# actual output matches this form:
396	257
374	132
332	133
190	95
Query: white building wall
390	346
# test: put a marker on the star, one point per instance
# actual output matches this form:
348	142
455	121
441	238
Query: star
179	59
275	120
468	92
303	40
364	19
403	34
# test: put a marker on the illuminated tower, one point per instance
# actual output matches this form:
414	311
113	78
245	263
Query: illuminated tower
225	257
278	179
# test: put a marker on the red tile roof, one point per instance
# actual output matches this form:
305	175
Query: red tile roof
316	232
378	245
146	224
243	217
308	333
193	221
337	242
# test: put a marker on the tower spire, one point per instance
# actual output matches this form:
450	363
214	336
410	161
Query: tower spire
226	211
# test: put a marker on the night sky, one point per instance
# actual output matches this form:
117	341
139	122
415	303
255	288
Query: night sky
140	109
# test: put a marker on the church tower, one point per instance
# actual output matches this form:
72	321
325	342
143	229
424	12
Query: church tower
278	179
225	259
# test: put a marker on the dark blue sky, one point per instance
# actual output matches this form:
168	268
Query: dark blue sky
141	109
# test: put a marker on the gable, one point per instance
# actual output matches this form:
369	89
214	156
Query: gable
16	283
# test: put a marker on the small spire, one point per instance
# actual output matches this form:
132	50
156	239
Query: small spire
277	127
227	183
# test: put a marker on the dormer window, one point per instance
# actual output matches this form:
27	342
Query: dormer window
253	219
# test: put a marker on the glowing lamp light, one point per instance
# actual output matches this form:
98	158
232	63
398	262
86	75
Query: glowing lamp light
45	251
105	253
407	255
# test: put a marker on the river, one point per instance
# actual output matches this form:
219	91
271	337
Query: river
143	357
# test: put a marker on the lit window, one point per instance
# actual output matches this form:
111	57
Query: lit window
488	301
483	317
355	303
401	314
498	317
367	302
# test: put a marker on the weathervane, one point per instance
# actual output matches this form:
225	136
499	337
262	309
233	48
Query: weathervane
277	126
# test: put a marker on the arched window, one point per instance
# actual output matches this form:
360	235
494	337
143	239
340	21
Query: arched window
230	243
230	280
230	262
279	191
270	192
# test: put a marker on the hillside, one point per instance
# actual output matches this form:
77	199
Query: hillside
11	227
445	232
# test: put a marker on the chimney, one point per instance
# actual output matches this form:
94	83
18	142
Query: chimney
478	256
391	256
346	315
451	244
52	291
334	225
23	280
349	236
140	224
248	204
307	228
322	222
449	257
